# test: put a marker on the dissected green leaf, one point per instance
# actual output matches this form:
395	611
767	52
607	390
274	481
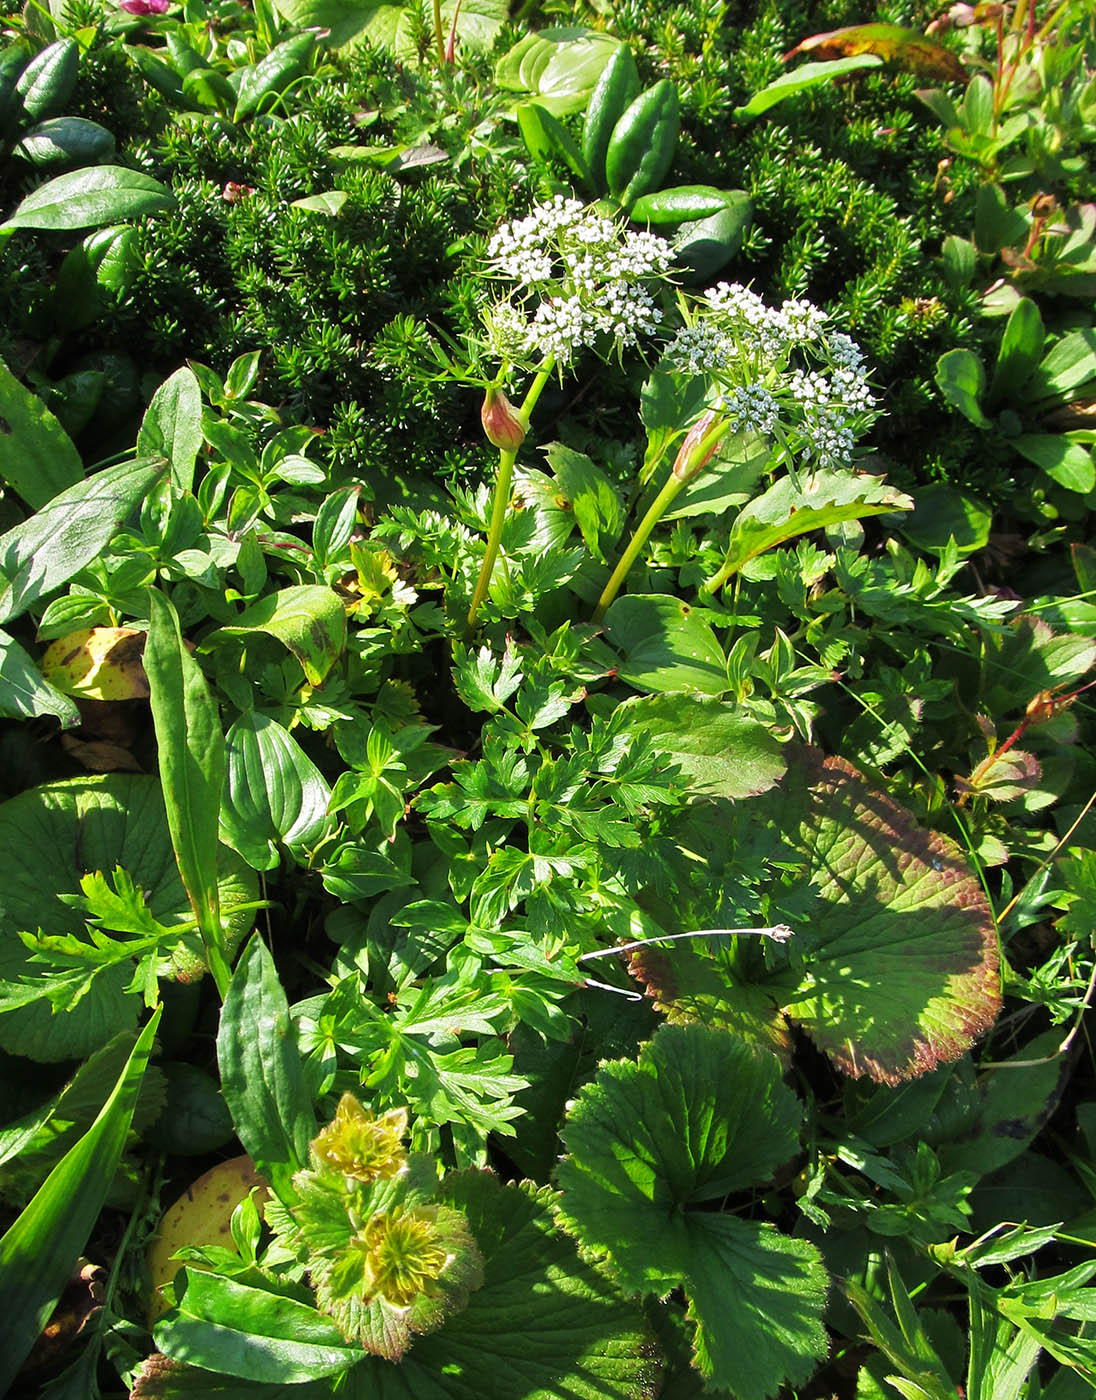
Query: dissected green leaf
51	835
721	750
38	1251
309	619
789	508
700	1115
664	646
38	459
273	795
70	531
262	1078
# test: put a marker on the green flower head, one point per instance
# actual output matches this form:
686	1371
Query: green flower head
358	1144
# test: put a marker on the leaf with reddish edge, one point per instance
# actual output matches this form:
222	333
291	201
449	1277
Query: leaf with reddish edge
900	951
893	965
905	48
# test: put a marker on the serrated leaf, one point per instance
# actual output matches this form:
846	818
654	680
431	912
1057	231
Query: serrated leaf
899	947
722	751
698	1116
789	509
51	836
544	1323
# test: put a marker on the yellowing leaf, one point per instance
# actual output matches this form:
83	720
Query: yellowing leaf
905	48
199	1217
98	663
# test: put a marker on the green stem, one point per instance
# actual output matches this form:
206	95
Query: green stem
501	497
682	473
439	38
655	511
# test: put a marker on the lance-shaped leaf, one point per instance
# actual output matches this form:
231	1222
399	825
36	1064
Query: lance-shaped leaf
893	964
73	529
262	1077
788	509
172	426
801	79
38	1251
904	48
308	619
190	746
698	1116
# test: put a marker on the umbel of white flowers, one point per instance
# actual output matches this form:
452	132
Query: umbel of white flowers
580	281
779	371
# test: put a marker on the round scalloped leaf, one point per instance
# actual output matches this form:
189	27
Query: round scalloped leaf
699	1115
51	836
899	951
544	1323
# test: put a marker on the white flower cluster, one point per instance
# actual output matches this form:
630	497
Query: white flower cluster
754	354
586	275
751	408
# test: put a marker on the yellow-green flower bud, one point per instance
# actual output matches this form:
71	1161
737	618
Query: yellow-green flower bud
360	1145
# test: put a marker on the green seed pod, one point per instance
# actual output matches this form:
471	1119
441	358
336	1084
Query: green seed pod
616	90
641	148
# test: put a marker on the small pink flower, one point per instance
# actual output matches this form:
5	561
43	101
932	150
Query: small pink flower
144	7
234	192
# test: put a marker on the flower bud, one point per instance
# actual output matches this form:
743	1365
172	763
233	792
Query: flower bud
501	421
685	468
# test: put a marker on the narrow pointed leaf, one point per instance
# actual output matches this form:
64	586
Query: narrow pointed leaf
39	1250
190	746
74	528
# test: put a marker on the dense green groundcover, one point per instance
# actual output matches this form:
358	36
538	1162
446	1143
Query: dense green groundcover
545	750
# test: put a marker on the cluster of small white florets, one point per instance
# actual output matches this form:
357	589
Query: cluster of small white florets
579	276
746	347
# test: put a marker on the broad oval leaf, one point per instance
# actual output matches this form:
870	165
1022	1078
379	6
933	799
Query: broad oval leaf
101	194
274	794
37	457
24	691
961	378
721	750
172	426
664	646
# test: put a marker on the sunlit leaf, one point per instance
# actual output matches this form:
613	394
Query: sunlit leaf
904	48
